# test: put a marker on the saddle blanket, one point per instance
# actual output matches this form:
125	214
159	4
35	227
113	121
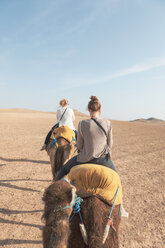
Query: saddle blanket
63	131
92	179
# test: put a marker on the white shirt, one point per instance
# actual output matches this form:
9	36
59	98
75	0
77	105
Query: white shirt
68	117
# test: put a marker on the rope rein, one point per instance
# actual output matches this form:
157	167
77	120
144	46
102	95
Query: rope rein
76	204
52	144
55	141
110	221
77	208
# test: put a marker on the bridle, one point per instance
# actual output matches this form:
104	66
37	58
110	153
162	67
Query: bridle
55	142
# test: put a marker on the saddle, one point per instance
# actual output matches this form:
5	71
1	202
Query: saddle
64	132
96	180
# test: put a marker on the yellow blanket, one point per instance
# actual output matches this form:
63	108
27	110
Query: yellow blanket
91	179
63	131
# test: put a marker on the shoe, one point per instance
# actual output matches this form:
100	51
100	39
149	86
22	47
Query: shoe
43	147
123	212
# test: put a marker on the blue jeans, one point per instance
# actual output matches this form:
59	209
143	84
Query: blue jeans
73	162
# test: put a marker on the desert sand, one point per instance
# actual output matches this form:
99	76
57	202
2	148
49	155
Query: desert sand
138	154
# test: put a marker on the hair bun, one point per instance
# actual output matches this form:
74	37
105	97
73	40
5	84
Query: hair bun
63	102
94	99
94	104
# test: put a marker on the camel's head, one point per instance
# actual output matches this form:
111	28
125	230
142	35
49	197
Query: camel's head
57	196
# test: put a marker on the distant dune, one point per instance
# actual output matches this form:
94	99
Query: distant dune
151	120
22	110
80	115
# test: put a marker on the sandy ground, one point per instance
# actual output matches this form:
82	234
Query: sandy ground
138	154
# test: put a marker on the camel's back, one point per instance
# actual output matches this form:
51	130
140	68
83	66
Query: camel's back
91	179
65	132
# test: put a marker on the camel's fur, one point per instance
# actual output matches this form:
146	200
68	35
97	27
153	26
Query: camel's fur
95	215
56	229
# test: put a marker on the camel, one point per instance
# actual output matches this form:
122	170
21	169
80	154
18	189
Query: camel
94	211
58	199
60	150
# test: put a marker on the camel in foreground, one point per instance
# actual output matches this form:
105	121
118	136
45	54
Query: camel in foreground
94	212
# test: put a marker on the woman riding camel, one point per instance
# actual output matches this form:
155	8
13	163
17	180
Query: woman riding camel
65	117
94	142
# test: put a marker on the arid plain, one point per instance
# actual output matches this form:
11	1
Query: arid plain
138	154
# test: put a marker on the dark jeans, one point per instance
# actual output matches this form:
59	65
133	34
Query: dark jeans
103	161
48	137
75	134
73	162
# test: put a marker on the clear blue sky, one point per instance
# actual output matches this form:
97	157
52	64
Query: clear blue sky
54	49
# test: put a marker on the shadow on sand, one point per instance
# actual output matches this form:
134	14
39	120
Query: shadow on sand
19	223
8	185
24	160
2	164
18	242
25	179
9	212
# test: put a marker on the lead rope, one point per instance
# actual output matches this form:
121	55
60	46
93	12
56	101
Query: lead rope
53	142
77	210
110	221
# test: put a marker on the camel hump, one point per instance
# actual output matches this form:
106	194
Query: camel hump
63	131
92	179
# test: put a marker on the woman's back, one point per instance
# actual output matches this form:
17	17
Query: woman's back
68	117
91	140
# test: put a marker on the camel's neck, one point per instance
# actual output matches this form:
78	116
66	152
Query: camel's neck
59	238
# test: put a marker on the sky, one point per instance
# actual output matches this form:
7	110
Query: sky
55	49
